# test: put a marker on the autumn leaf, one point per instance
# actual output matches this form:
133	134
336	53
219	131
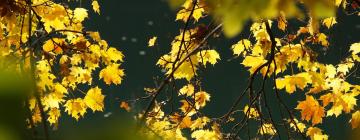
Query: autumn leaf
316	134
355	119
125	106
199	123
94	99
201	98
54	115
267	128
96	6
112	55
241	46
152	41
208	56
198	13
310	109
329	22
186	122
355	48
322	39
187	108
48	46
296	125
184	14
112	74
252	113
253	62
36	116
291	82
52	45
344	67
330	71
187	90
53	100
205	135
75	107
282	22
80	14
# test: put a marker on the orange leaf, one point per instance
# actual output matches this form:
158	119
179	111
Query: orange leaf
310	109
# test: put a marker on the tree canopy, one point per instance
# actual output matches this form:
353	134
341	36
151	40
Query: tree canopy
291	85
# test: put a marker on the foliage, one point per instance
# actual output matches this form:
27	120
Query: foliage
287	58
50	43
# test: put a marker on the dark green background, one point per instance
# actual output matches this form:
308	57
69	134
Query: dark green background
130	19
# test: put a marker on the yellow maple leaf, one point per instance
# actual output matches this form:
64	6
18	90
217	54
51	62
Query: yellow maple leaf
186	108
348	101
252	113
152	41
52	100
316	134
53	45
112	55
198	13
253	62
329	22
291	82
205	135
94	99
344	67
76	59
355	48
239	47
267	128
80	14
199	123
330	71
322	39
48	46
96	6
32	103
201	98
112	74
187	90
299	125
184	14
187	69
355	119
310	109
54	115
59	88
80	75
320	137
75	107
206	56
95	36
334	110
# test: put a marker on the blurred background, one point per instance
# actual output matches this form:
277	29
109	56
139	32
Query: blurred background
128	25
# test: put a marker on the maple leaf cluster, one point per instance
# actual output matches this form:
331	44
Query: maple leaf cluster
50	41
